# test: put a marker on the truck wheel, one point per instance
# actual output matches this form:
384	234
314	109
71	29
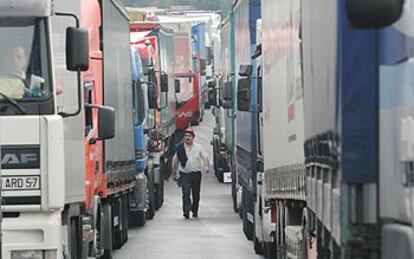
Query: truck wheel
118	223
258	248
157	201
248	226
106	235
125	213
159	195
151	196
236	208
215	160
75	238
270	250
138	218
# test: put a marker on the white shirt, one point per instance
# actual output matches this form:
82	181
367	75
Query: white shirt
195	155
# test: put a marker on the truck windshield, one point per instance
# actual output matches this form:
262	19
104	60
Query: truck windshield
24	74
186	90
139	103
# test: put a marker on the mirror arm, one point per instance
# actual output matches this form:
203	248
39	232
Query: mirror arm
64	114
230	115
230	75
70	15
148	83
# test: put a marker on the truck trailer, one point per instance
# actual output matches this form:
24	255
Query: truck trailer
335	129
86	200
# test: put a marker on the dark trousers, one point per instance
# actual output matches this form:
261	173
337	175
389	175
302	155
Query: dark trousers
190	183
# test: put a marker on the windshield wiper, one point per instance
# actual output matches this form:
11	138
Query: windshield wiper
14	103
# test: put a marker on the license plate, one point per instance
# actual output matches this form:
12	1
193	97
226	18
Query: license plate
11	183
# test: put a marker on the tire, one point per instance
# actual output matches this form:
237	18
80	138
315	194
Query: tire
159	195
107	226
138	218
75	237
151	197
270	251
258	248
95	248
248	227
117	230
236	208
257	245
125	213
157	200
215	160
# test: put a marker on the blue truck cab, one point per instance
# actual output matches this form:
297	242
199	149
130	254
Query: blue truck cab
140	112
138	201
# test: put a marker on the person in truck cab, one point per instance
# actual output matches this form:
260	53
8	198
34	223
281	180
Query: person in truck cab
189	161
33	83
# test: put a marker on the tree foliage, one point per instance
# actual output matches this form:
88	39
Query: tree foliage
222	5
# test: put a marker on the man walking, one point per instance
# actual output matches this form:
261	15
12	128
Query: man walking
190	160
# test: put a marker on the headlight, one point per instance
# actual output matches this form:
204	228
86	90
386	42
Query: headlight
28	254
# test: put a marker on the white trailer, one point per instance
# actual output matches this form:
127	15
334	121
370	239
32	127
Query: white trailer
281	194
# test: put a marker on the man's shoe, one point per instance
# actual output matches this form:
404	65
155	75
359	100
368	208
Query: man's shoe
186	215
195	215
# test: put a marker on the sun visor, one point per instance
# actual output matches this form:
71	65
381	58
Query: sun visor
25	8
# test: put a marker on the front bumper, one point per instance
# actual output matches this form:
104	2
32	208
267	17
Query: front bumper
33	231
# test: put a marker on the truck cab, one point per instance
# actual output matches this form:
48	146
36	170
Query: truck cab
138	199
34	129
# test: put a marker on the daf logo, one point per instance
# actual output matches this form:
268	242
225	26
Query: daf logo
19	158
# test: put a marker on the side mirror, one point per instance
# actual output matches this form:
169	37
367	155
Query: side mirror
243	95
203	64
177	85
228	91
164	82
246	70
106	122
151	75
77	49
227	105
212	97
212	84
371	14
152	97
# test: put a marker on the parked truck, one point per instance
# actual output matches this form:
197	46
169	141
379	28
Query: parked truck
335	129
188	99
42	212
246	14
158	42
69	196
226	147
139	202
141	42
199	54
187	73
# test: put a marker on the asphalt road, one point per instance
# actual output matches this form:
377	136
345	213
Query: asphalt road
217	233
